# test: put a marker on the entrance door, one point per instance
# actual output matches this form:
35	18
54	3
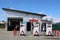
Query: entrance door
28	26
43	28
13	23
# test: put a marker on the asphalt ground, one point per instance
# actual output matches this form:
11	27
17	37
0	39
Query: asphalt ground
8	35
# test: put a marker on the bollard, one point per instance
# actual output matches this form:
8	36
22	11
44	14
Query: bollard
57	33
14	32
54	32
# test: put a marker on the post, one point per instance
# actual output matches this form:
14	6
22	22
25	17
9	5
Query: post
14	32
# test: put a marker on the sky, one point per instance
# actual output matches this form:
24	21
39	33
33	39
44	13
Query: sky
48	7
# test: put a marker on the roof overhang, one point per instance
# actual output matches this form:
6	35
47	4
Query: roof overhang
8	9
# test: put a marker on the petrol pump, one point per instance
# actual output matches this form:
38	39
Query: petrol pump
36	29
22	30
49	29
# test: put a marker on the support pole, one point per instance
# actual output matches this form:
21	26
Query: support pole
14	32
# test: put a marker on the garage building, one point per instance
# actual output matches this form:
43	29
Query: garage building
16	17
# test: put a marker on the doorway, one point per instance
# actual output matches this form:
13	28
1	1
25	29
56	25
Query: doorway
43	27
28	26
13	23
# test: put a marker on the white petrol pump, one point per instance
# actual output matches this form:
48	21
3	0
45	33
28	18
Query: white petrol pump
48	29
22	30
36	29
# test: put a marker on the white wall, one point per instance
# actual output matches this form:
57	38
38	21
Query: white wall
22	15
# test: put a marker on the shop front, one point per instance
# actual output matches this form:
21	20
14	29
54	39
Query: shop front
14	18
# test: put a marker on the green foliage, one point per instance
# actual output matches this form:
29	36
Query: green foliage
56	26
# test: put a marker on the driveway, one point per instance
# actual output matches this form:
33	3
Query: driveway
8	35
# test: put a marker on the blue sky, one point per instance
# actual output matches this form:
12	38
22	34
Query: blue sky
48	7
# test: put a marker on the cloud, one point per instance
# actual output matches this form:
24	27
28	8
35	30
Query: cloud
42	12
54	20
47	17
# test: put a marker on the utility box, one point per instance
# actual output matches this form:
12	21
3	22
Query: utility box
49	29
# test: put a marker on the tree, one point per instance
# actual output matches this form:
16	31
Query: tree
56	26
